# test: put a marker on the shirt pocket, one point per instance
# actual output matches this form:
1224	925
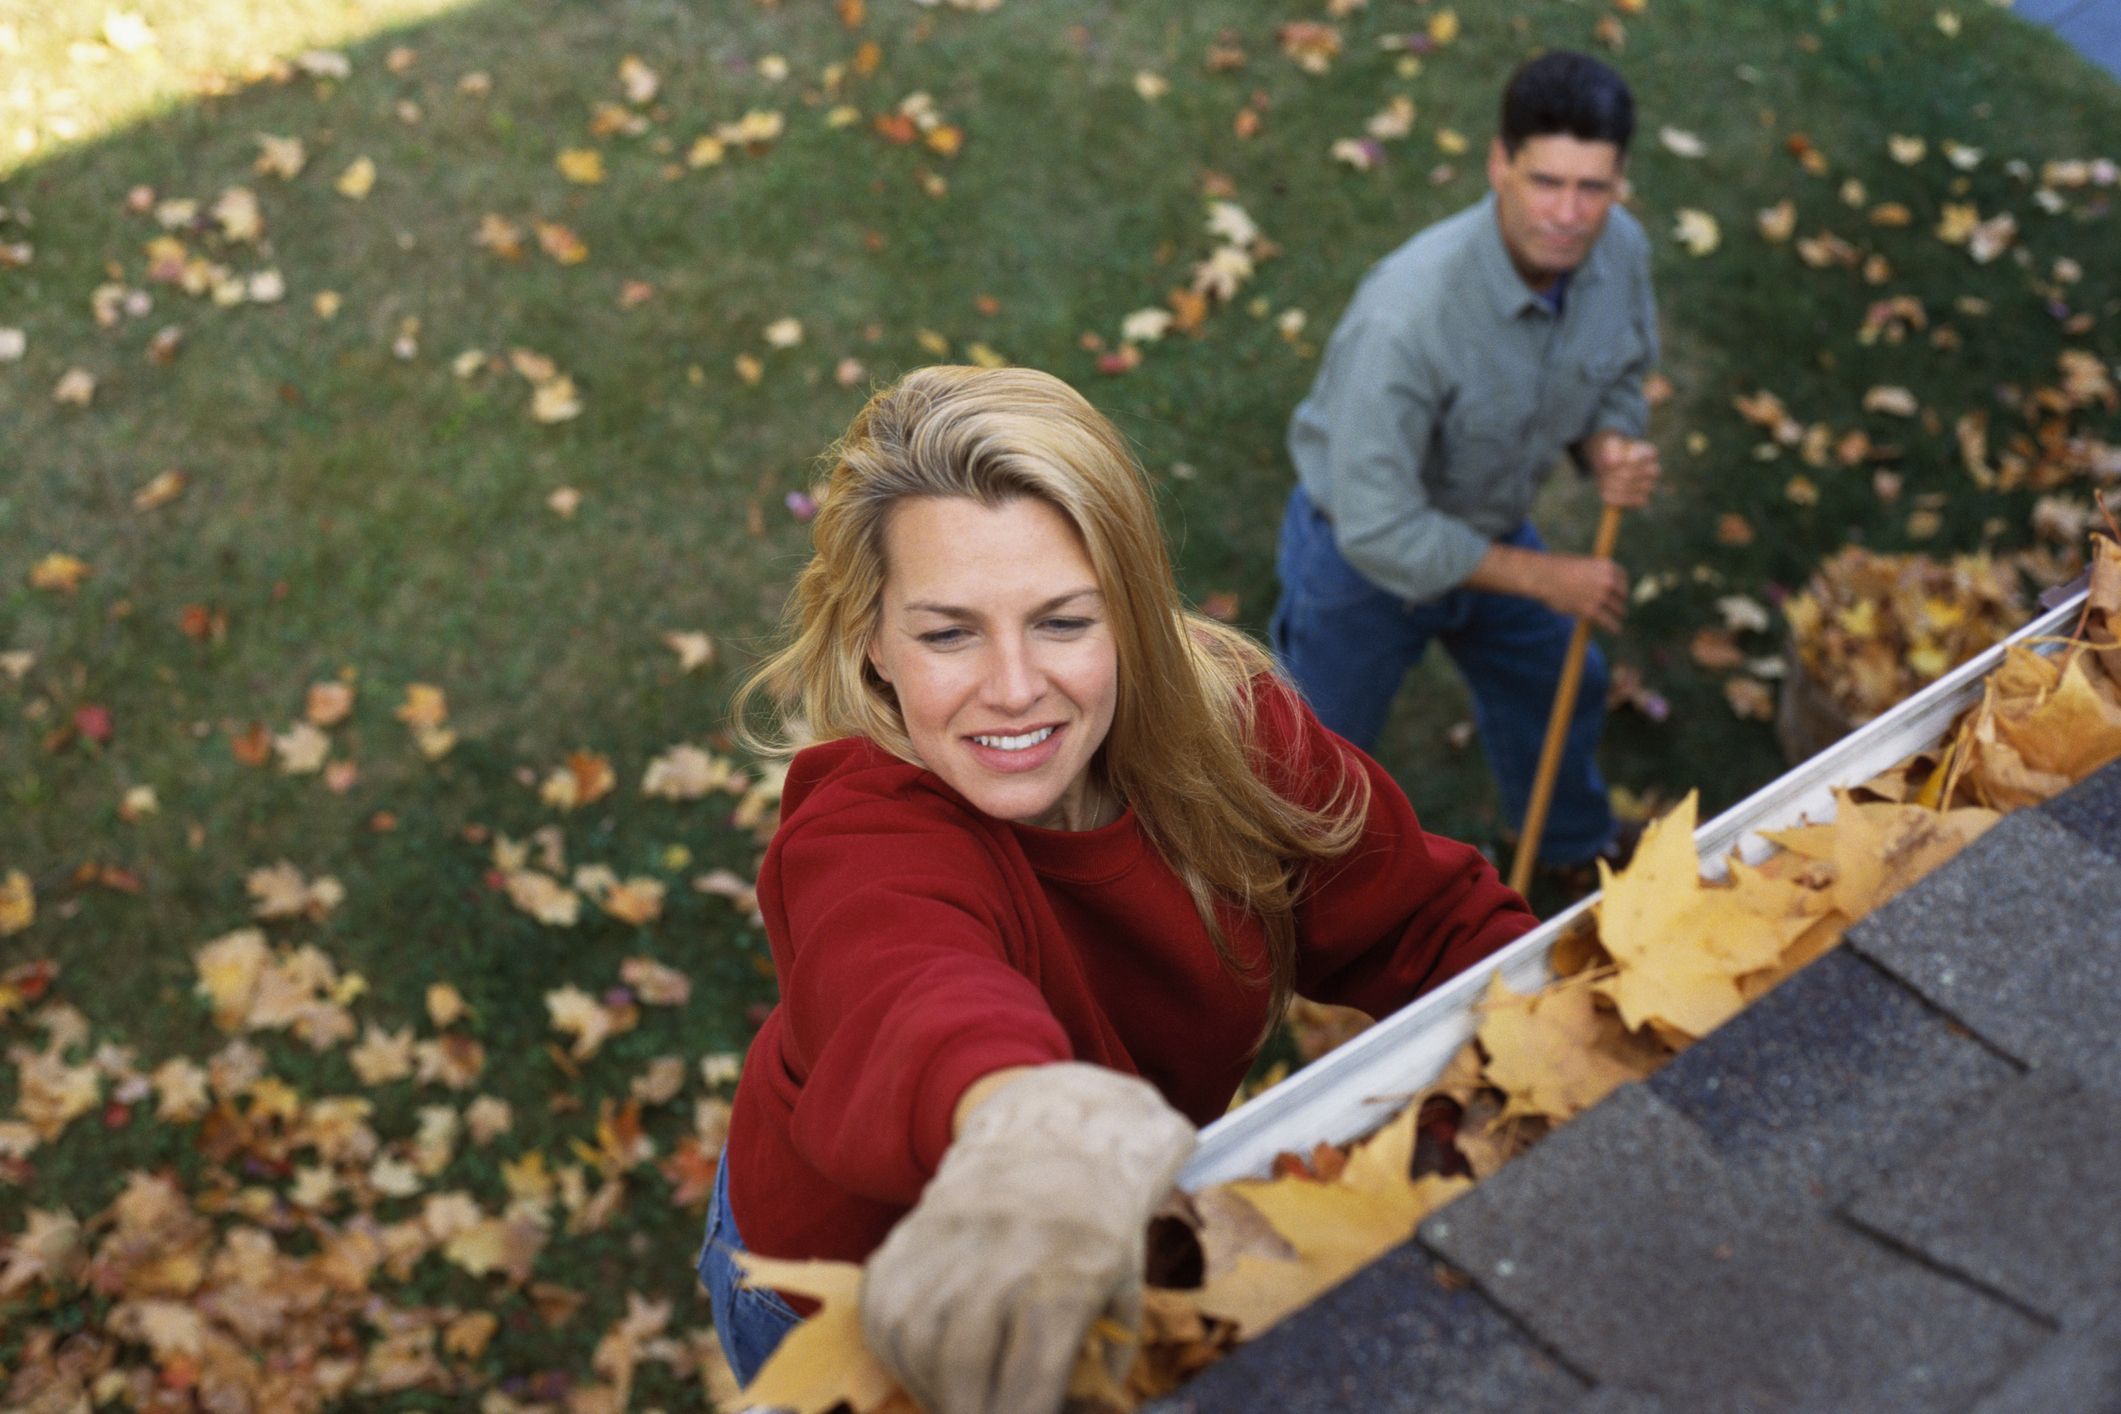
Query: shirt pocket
1601	367
1483	445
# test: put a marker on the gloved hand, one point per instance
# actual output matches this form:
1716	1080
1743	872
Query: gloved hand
1031	1230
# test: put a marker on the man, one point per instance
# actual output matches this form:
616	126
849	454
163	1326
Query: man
1468	361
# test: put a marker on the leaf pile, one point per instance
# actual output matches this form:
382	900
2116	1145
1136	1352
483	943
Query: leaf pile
1873	629
1671	956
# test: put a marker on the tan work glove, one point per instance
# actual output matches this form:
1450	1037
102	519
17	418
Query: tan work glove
1031	1230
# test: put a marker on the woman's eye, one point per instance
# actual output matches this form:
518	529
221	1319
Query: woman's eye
943	637
1067	625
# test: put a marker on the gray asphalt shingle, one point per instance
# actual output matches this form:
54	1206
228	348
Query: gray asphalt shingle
1829	1080
2091	809
1626	1245
2019	938
2025	1197
1390	1338
2079	1370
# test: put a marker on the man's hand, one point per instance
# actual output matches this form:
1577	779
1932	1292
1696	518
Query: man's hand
1031	1232
1581	586
1584	587
1626	467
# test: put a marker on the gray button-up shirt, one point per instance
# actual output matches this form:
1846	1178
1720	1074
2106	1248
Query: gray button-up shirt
1449	390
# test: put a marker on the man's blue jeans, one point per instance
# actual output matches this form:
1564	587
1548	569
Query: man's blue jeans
1348	644
750	1320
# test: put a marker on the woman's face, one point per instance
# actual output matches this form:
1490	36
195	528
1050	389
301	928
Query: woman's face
995	637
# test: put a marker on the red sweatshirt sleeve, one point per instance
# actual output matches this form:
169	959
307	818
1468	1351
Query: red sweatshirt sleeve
1403	910
904	981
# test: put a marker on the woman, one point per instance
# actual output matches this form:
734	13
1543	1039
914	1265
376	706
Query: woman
1062	855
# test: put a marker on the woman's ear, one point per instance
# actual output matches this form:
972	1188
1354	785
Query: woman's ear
876	659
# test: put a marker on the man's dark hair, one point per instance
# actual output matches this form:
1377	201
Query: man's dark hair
1565	92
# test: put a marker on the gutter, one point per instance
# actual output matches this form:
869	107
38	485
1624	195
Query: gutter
1351	1091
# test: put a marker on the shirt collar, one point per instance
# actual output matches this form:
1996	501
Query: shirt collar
1511	295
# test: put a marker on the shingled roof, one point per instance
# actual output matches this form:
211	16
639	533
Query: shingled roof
1893	1183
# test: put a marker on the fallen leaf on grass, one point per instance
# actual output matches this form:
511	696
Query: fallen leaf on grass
279	891
1681	143
589	1022
326	704
301	749
654	983
543	898
560	243
163	488
358	180
58	572
581	165
1697	231
586	777
638	901
694	650
1894	401
18	903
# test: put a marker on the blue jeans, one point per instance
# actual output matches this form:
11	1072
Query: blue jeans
1348	644
749	1319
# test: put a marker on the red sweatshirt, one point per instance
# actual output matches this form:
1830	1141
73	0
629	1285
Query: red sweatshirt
921	944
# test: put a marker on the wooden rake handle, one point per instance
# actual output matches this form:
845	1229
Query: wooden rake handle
1535	815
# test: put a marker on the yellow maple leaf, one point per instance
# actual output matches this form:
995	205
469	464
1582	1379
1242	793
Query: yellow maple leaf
824	1361
1877	849
581	1016
561	243
382	1056
425	706
229	968
584	165
51	1094
1334	1227
326	704
544	898
637	901
18	902
1555	1052
1680	944
2073	729
58	571
555	400
506	1245
180	1091
301	749
280	891
160	490
1697	230
357	180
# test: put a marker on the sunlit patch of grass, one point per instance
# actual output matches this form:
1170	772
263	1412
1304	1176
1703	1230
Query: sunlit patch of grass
77	71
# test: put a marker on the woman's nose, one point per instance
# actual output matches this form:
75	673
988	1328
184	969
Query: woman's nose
1014	681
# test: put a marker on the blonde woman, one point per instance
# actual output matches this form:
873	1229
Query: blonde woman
1060	855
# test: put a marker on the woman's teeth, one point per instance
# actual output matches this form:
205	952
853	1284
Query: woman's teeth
1015	743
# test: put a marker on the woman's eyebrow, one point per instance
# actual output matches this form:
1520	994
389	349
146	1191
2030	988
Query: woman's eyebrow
954	611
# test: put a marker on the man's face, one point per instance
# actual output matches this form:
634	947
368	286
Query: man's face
1551	201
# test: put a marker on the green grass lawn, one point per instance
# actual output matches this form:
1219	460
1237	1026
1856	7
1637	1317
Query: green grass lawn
363	505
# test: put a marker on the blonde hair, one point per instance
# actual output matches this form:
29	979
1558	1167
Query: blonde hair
1178	748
